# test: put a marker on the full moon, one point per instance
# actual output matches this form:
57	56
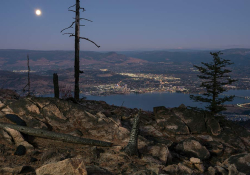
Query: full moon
38	12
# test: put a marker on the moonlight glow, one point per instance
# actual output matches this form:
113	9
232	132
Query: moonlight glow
38	12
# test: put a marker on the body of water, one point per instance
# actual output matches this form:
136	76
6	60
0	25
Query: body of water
149	100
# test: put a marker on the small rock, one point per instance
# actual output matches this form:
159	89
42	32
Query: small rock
20	150
33	159
184	170
15	119
19	140
182	106
195	160
206	138
145	172
171	169
240	161
198	164
10	170
68	166
211	171
220	170
232	170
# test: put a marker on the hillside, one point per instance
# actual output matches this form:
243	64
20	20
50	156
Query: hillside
170	141
45	60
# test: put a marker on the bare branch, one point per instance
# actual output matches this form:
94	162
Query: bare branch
82	9
72	10
68	34
68	27
72	6
90	41
87	40
85	19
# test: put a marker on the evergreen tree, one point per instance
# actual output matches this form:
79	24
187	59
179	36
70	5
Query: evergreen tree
214	77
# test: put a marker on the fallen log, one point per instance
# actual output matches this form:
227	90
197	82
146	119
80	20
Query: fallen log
55	136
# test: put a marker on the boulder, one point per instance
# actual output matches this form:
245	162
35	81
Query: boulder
194	120
240	161
159	152
68	166
192	148
215	148
168	122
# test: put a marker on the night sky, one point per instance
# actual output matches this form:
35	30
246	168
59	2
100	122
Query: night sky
127	24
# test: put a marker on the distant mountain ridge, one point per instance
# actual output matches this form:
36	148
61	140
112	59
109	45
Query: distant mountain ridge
17	58
238	56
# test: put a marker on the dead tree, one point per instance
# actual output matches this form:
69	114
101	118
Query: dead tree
132	148
28	84
56	86
77	46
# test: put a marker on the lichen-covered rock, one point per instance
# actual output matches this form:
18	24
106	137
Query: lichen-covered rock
192	148
68	166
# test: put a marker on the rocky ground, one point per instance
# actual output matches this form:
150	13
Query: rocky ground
171	141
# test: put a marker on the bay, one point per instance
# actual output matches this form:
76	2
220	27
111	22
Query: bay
149	100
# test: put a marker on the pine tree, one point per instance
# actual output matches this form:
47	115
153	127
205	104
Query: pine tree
214	77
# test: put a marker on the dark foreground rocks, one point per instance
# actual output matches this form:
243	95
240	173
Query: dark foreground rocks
171	141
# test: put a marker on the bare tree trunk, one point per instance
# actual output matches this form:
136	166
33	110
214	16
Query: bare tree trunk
77	47
28	64
77	68
56	86
28	84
